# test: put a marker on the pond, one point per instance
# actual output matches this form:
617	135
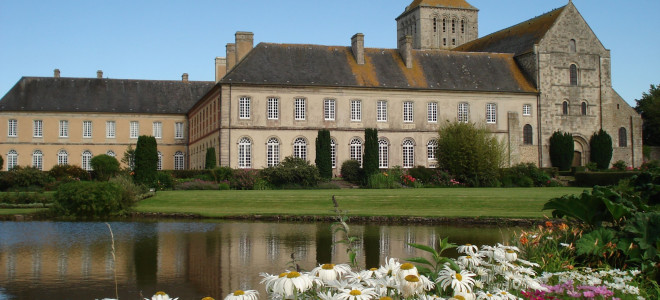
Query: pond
190	260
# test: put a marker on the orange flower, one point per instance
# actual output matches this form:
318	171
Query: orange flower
563	227
548	224
523	240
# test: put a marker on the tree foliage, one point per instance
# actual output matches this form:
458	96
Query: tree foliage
210	158
601	149
2	161
649	107
129	158
292	171
146	160
105	166
323	156
561	150
370	160
470	153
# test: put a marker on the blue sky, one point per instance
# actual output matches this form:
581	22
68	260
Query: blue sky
148	39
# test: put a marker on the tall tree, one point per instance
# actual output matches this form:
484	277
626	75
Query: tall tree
649	107
323	159
601	149
370	161
210	158
562	150
146	160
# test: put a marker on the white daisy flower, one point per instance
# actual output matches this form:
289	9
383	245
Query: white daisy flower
470	261
243	295
411	285
357	293
487	296
463	296
510	255
459	282
328	295
161	296
329	272
390	267
468	249
405	270
293	283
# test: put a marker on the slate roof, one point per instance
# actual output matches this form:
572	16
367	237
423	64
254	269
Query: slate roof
335	66
518	39
103	95
441	3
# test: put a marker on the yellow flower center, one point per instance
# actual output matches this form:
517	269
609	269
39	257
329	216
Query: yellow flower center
355	293
373	269
385	298
207	298
283	274
459	277
459	297
239	293
468	245
489	295
503	293
407	266
510	251
468	257
293	274
328	267
412	278
161	293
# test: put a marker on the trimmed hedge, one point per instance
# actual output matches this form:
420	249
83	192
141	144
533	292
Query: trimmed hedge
590	179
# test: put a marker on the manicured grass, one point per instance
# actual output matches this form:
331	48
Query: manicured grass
20	211
446	202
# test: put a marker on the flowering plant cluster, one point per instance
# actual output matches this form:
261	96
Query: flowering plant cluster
408	180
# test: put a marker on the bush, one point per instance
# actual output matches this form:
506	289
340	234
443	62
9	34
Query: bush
601	149
146	160
105	166
182	174
196	184
222	173
210	158
591	179
164	181
24	178
383	181
244	179
25	198
620	165
561	150
370	165
292	171
323	159
130	192
68	173
524	175
87	199
223	186
421	173
2	162
351	171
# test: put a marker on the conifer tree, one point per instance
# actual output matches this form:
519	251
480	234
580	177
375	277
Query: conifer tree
323	156
370	160
146	160
210	158
601	149
561	150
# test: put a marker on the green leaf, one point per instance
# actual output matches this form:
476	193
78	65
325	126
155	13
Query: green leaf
452	264
593	243
424	248
617	210
419	260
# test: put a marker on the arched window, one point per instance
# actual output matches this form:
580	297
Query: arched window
583	108
178	161
564	108
462	26
408	153
244	153
574	74
159	166
111	153
333	152
383	154
38	159
272	152
12	159
87	160
453	26
300	148
431	149
356	150
572	48
528	135
435	25
444	25
623	137
62	157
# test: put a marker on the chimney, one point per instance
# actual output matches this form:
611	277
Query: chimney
231	56
220	68
357	45
56	73
99	74
244	43
184	77
405	50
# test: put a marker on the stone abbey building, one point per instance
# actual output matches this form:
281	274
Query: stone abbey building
523	83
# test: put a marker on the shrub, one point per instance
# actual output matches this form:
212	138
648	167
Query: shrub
105	166
130	192
601	149
421	173
292	171
88	199
24	178
591	179
181	174
524	175
323	154
146	160
244	179
222	173
383	181
620	165
164	180
561	150
351	171
25	198
223	186
68	172
210	158
2	162
196	184
370	160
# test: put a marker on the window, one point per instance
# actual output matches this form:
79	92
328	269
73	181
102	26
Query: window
453	42
299	113
444	41
356	110
178	130
110	129
491	113
38	128
111	153
300	148
134	129
383	154
87	129
407	112
564	108
12	159
463	112
431	149
381	111
159	166
453	26
528	135
12	128
245	153
244	108
329	109
38	160
62	158
333	153
435	25
432	112
273	108
583	108
356	150
273	152
527	109
444	25
158	130
462	26
574	74
572	48
408	153
64	128
623	137
87	160
178	160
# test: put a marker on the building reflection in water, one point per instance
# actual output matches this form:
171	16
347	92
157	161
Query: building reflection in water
190	259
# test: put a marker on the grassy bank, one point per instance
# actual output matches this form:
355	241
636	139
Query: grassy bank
460	202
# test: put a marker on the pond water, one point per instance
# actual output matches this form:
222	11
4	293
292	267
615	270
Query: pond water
190	260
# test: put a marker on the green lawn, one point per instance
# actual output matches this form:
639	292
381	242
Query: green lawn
458	202
19	211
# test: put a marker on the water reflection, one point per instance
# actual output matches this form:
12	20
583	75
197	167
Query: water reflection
73	260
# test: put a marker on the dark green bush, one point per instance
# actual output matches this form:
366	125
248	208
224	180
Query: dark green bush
370	160
146	160
351	171
561	150
68	172
105	167
223	186
222	173
292	171
591	179
524	175
323	159
210	158
24	178
196	184
601	149
164	180
421	173
130	191
2	162
88	199
244	179
25	198
181	174
620	165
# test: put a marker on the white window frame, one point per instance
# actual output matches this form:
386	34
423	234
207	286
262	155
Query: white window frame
300	148
463	112
329	108
111	153
159	165
431	149
12	159
273	108
62	158
333	152
408	114
38	160
245	153
491	113
110	129
432	112
12	128
381	111
38	128
179	163
355	147
134	129
408	151
178	130
527	110
356	110
64	129
383	154
244	107
158	129
273	152
86	160
87	129
300	109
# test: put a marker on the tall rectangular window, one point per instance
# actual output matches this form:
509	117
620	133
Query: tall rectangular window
491	113
87	129
158	130
12	128
408	112
244	108
110	129
527	110
432	112
178	130
273	108
64	128
134	129
299	109
463	112
329	109
356	110
38	128
381	111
